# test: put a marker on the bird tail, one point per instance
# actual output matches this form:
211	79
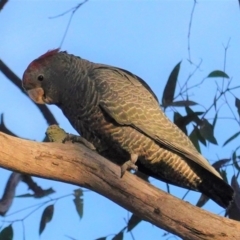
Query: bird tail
211	185
217	189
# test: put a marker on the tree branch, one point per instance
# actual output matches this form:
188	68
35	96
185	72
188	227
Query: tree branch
9	192
2	4
75	164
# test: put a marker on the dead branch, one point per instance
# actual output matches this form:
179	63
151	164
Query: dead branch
78	165
2	4
9	192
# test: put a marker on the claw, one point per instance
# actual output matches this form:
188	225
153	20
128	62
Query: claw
130	164
79	139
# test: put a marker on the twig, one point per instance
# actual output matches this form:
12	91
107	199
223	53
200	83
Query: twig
231	110
133	238
73	10
23	228
39	204
189	30
181	91
225	59
188	191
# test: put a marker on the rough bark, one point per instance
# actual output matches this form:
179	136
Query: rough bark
75	164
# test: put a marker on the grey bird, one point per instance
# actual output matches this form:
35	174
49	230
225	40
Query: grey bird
119	114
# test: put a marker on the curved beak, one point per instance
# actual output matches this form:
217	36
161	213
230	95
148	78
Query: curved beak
37	95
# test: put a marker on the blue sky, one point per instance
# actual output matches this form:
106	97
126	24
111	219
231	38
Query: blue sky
147	38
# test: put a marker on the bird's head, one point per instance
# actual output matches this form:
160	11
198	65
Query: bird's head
42	78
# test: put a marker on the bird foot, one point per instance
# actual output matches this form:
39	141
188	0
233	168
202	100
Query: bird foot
79	139
130	164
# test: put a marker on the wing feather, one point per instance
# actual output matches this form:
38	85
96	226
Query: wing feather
130	101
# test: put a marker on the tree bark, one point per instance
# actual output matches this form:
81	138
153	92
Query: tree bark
75	164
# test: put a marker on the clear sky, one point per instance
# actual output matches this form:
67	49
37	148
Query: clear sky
147	38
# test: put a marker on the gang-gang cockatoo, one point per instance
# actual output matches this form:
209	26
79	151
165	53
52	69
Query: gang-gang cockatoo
119	114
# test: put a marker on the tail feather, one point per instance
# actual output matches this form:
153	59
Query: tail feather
218	190
211	185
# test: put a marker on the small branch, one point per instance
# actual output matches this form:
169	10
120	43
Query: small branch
3	127
18	83
221	93
225	54
189	30
75	164
73	10
225	59
184	88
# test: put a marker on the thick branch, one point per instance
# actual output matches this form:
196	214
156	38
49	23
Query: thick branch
78	165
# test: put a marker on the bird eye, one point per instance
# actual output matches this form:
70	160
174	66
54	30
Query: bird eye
40	77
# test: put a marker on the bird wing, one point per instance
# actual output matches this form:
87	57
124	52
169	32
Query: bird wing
130	101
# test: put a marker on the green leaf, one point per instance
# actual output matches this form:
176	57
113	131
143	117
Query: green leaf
189	111
169	90
223	174
180	121
25	195
194	115
46	217
133	222
215	120
215	102
7	233
234	158
234	210
206	130
237	104
78	201
119	236
70	237
217	73
200	137
183	103
78	192
194	138
231	138
44	193
220	163
176	116
236	188
40	194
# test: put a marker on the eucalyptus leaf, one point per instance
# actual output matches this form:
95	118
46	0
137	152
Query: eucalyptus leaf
169	90
217	73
